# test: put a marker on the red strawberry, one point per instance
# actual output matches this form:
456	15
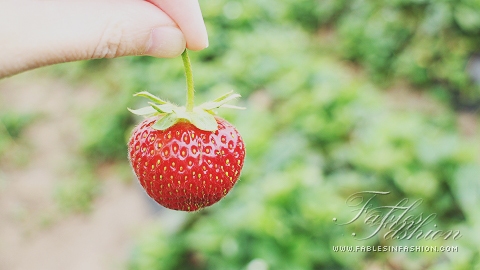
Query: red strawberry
184	157
184	167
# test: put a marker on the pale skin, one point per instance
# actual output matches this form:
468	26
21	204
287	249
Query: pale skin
35	33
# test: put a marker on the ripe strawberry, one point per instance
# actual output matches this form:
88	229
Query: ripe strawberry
184	157
184	167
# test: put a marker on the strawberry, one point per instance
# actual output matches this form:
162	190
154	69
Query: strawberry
185	157
184	167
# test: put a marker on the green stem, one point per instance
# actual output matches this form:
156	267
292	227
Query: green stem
189	75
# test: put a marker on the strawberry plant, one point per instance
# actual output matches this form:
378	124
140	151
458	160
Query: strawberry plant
186	158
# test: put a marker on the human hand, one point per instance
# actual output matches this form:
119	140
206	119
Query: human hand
35	33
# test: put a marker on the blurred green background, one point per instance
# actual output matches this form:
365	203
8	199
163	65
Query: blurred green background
341	96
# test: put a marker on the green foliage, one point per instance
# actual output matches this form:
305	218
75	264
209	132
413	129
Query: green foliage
105	132
15	123
12	124
77	191
426	42
313	14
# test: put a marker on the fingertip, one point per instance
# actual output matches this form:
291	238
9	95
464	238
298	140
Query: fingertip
198	46
165	42
188	16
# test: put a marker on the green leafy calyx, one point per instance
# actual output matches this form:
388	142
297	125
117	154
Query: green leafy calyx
201	116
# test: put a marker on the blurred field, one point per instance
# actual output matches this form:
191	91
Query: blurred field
35	233
341	97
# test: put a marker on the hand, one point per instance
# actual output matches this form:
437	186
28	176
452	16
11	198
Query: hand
36	33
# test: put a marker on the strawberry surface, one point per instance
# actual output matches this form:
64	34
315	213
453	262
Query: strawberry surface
183	167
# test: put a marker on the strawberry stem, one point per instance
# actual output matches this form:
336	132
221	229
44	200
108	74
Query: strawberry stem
189	76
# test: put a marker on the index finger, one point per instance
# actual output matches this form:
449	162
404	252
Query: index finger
188	16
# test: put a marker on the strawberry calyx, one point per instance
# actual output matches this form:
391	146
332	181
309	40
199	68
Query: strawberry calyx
201	116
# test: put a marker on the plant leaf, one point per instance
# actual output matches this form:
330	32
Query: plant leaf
219	102
232	107
182	114
143	111
223	96
153	98
165	108
165	122
204	121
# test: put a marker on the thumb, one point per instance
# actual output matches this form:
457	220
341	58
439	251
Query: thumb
48	32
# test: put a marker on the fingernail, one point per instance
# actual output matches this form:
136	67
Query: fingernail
165	42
